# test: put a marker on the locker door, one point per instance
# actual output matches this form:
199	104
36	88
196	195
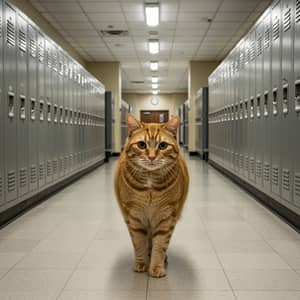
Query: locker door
296	105
287	88
42	132
258	105
2	102
241	108
252	115
49	114
266	110
22	106
10	99
276	95
32	112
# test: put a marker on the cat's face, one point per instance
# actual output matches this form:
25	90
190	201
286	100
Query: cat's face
152	146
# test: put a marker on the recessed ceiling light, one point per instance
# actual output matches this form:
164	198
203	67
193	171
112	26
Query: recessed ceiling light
154	79
154	86
153	65
154	92
153	46
152	14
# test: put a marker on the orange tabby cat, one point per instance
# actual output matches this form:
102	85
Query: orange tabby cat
151	184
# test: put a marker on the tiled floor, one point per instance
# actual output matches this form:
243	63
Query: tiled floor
75	246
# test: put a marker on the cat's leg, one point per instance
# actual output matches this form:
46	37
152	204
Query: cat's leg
160	241
139	236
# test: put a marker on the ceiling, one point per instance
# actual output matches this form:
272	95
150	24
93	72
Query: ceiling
185	34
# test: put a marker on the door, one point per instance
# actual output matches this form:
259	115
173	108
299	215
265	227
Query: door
154	116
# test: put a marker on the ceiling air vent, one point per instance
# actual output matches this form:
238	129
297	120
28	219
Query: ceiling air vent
114	33
137	81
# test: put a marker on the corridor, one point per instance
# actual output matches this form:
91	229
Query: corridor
75	246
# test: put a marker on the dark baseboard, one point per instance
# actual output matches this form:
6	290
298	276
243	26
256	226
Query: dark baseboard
116	154
193	153
280	210
17	210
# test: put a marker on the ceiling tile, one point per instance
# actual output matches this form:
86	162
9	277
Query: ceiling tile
135	17
194	16
231	17
62	7
136	6
200	5
83	33
39	6
239	5
76	25
104	17
110	25
70	17
102	7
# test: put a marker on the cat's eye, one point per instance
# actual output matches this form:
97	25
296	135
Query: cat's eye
162	146
142	145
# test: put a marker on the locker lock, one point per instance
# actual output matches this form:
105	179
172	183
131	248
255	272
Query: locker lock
252	108
297	96
32	109
275	103
285	106
22	107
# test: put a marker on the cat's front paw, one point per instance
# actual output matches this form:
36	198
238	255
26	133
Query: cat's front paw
157	271
140	267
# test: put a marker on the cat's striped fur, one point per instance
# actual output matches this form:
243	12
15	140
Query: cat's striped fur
151	184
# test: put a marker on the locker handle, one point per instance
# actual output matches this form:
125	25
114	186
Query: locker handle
252	108
41	110
55	113
32	108
297	96
275	102
285	106
22	107
49	112
11	108
266	100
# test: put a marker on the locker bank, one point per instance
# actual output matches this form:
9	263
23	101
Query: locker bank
71	72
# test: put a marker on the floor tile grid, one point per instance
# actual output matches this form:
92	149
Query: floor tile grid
76	266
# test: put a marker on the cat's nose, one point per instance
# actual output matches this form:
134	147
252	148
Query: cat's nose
152	158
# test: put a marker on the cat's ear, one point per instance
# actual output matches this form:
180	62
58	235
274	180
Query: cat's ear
172	125
132	123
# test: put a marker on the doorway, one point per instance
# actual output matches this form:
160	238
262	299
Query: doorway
154	116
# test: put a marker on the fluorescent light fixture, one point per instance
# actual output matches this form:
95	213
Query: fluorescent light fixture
154	79
154	92
152	14
153	46
153	65
154	85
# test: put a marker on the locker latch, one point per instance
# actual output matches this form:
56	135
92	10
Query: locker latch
266	100
61	114
275	103
22	107
41	110
66	116
11	104
246	109
49	112
32	108
297	96
71	117
252	108
258	112
55	114
241	110
285	105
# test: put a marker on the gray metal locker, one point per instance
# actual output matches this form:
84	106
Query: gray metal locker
2	105
49	105
32	111
252	106
42	133
22	106
276	96
287	88
259	125
10	112
266	102
295	108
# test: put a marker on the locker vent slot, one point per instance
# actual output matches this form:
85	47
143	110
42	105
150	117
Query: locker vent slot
33	174
54	61
297	181
41	51
276	28
275	175
49	168
259	45
32	47
259	168
41	171
286	179
252	50
267	38
49	62
297	11
266	172
54	164
23	177
241	161
10	36
252	165
22	41
247	163
1	187
287	20
11	181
